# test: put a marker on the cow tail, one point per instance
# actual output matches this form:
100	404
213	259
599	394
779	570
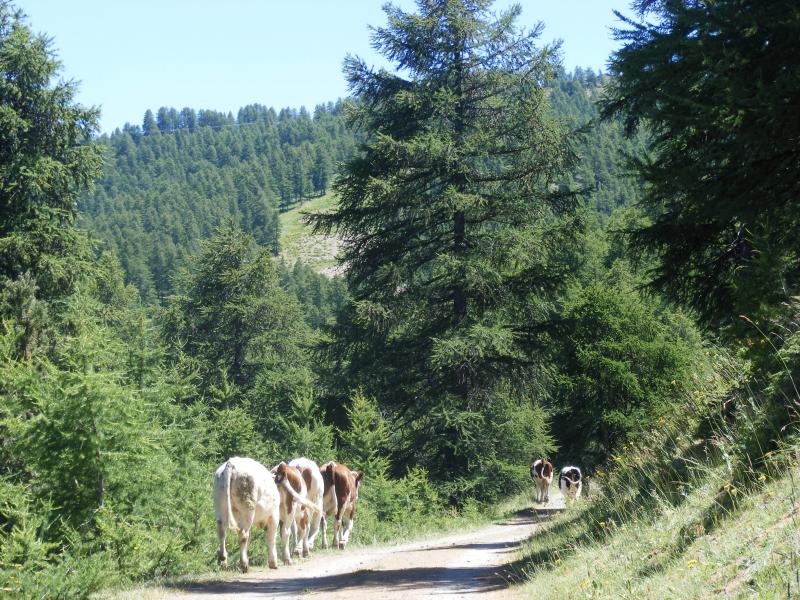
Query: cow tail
226	489
309	505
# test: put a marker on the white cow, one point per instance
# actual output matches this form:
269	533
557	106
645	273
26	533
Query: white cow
245	496
570	482
315	488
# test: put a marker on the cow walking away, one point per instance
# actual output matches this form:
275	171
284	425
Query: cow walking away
542	475
570	482
295	510
315	489
245	496
340	498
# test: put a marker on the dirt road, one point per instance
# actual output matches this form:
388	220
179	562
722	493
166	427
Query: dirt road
452	566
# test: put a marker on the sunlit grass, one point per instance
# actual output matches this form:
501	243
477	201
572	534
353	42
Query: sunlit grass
297	241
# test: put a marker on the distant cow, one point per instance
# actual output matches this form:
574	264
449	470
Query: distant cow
570	482
340	498
245	496
315	488
542	475
296	511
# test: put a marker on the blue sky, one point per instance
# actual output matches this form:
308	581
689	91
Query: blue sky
133	55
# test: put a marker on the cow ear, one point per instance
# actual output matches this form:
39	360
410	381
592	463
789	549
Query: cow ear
359	475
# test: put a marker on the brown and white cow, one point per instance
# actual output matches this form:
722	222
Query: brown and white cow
295	509
340	498
570	482
315	488
245	496
542	475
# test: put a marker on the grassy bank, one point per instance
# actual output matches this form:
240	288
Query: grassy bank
752	550
706	505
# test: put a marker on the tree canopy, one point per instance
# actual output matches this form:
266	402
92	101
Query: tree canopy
717	84
451	213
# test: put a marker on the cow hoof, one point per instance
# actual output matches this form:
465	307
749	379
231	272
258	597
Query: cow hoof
273	565
244	567
287	561
296	552
306	554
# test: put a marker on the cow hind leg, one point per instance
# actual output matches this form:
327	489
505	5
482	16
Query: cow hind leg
272	553
244	541
222	552
348	529
324	526
286	527
315	526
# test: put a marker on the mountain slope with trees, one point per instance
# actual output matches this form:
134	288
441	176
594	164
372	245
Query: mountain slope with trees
170	183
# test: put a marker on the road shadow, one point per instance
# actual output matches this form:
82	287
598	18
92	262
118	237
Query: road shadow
463	580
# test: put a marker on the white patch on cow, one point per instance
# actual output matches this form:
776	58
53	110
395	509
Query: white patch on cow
245	496
314	495
570	482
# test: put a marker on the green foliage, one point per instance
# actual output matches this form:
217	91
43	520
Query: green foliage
236	330
717	84
105	476
623	358
452	218
304	433
173	182
45	161
366	441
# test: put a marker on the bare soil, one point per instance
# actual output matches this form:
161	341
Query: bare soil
465	565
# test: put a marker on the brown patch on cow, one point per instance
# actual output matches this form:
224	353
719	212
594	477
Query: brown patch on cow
307	477
542	470
244	487
327	475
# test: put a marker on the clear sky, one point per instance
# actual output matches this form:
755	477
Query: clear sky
131	55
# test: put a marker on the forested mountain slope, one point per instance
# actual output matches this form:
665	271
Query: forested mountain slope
175	179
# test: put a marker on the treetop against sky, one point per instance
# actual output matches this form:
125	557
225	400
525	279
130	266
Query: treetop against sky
132	55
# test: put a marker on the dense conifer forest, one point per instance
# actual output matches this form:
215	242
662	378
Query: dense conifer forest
533	262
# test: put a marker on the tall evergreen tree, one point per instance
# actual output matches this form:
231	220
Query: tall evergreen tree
45	160
443	211
718	84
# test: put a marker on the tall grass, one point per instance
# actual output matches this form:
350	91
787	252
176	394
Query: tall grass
723	444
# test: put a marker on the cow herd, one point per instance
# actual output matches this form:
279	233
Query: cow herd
297	498
570	481
294	498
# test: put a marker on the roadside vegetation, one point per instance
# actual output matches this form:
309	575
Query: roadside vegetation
525	272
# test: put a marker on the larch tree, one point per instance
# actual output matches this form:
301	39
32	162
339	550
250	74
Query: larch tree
717	84
452	218
46	160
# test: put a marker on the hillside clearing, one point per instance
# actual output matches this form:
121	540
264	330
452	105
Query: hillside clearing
298	243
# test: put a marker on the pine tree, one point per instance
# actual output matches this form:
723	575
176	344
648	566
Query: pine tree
46	160
443	213
718	85
149	126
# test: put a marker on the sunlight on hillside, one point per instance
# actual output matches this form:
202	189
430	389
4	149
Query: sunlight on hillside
297	241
